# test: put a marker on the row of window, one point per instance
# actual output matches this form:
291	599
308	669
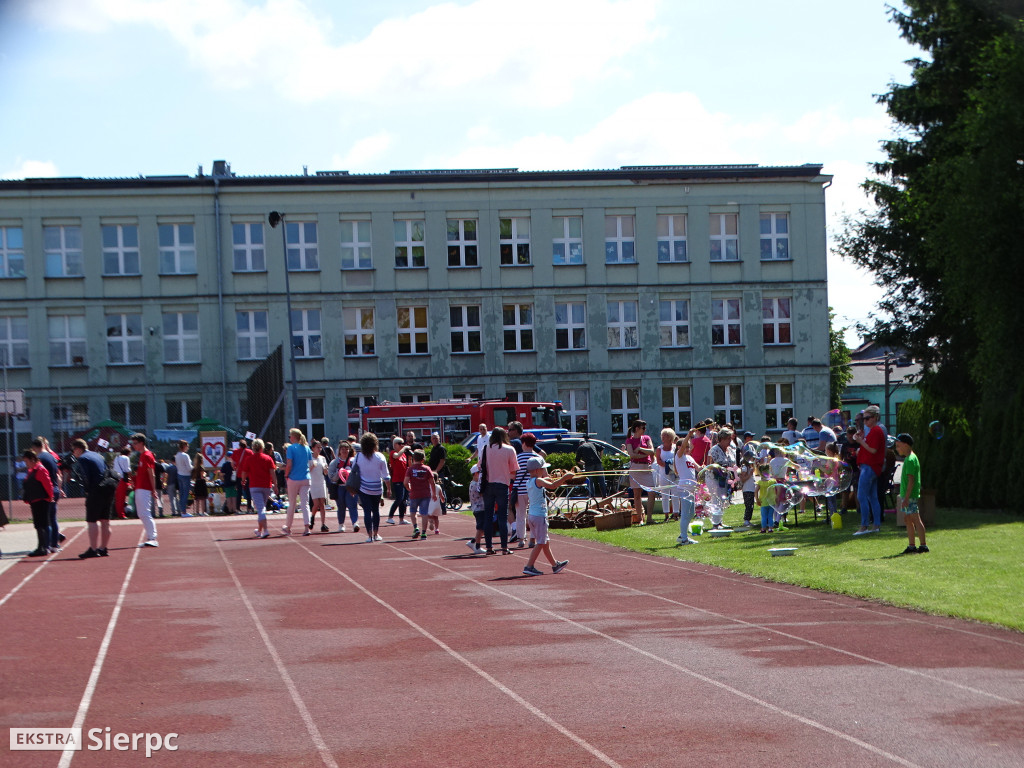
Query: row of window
181	339
63	254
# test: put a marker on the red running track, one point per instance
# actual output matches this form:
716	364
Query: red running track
328	651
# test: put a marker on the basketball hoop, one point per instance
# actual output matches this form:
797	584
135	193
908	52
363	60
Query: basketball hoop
12	402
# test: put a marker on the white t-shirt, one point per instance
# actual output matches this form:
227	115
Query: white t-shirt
373	471
183	462
687	467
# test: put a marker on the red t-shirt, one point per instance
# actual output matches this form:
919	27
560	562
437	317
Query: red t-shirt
239	457
644	441
262	470
399	464
700	447
420	480
143	477
876	439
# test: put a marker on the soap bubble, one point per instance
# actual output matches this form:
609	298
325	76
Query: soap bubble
936	430
834	420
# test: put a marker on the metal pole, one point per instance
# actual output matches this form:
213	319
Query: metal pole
276	218
10	450
887	371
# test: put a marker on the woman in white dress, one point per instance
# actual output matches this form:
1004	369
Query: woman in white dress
664	471
318	486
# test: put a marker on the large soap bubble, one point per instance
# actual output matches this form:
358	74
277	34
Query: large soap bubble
936	430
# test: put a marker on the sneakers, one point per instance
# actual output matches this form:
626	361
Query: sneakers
532	571
471	544
90	552
369	539
423	536
255	531
341	529
102	552
747	524
923	548
560	566
324	529
150	543
513	539
355	527
307	531
39	553
403	521
265	535
61	538
910	551
286	530
377	537
479	551
391	521
186	514
415	533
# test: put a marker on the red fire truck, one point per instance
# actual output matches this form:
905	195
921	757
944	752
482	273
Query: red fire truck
455	420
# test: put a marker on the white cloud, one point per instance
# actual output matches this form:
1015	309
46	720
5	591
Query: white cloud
366	154
32	169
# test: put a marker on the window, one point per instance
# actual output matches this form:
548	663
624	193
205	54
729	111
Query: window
618	240
12	252
625	408
729	404
410	235
303	255
132	414
14	341
462	248
514	241
776	321
311	417
774	236
70	417
778	405
124	339
725	322
725	242
355	410
674	323
63	248
676	409
412	331
306	338
67	340
465	324
120	249
468	395
252	334
355	244
520	396
575	414
360	340
177	249
415	397
623	332
517	324
182	413
571	326
567	245
247	244
181	337
671	237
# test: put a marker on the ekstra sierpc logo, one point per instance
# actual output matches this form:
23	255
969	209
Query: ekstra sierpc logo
61	739
44	739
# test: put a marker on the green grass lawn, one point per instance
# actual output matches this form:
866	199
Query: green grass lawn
974	570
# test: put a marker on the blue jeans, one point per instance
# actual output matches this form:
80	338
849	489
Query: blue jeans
767	517
401	494
259	500
54	528
496	494
419	507
184	486
371	512
347	501
686	509
867	498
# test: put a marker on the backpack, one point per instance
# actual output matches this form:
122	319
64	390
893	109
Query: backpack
354	478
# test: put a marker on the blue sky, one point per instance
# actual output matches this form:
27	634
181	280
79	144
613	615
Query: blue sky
102	88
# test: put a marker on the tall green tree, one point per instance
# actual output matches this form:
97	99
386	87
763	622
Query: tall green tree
839	359
947	239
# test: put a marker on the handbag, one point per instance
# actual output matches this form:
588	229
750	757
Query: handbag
354	478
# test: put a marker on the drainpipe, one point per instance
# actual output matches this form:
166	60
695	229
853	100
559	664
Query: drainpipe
220	300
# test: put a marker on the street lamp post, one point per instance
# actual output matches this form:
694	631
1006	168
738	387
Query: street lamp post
275	218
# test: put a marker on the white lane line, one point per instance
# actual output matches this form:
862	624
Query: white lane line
300	705
794	590
101	656
535	711
653	657
38	568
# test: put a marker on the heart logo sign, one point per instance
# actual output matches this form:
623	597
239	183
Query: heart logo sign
214	452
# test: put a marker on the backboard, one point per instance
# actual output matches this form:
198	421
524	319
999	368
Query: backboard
12	401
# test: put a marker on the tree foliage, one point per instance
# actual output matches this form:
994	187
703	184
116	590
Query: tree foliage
839	359
946	240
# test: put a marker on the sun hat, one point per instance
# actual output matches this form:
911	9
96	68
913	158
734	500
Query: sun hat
536	463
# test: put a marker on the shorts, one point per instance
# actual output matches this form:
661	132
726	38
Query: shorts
231	493
539	528
911	508
98	505
640	475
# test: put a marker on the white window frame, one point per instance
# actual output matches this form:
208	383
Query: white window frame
569	256
125	416
674	323
125	257
64	258
124	333
514	248
463	243
406	245
521	396
623	331
677	408
625	408
179	256
575	414
303	239
69	417
719	225
775	237
307	333
252	343
466	335
624	245
777	406
12	257
729	404
181	341
67	340
309	421
670	239
570	326
730	311
520	327
14	341
249	252
356	244
182	416
413	327
774	321
360	335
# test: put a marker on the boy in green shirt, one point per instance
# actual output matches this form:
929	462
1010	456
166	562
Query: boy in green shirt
910	492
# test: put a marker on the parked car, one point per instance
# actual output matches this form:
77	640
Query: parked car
569	444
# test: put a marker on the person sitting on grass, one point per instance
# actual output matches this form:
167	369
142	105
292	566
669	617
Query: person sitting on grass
910	492
538	514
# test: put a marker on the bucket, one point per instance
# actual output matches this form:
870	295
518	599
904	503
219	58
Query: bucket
837	520
696	528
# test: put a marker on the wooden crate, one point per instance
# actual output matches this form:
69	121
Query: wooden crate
610	521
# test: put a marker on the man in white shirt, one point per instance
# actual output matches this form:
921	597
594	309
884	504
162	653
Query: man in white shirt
183	463
791	435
